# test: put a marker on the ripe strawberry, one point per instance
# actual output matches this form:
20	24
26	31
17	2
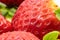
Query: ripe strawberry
37	17
12	2
4	25
18	35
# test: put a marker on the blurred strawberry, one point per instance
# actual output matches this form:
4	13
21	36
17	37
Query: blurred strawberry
38	17
11	2
4	25
18	35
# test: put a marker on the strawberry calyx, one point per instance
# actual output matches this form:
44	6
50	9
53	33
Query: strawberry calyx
55	5
51	35
57	13
7	12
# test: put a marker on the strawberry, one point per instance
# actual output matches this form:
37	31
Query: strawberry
11	2
38	17
18	35
4	25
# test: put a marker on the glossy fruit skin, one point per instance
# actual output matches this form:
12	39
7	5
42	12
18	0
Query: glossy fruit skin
12	3
18	35
36	17
4	25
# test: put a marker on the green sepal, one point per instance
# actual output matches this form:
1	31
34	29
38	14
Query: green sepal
2	5
57	13
4	11
51	35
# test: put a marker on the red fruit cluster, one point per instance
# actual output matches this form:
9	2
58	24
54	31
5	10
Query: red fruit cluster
12	2
18	35
36	17
4	25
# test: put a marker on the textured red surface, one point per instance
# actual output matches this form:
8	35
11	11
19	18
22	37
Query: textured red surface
36	17
4	25
18	35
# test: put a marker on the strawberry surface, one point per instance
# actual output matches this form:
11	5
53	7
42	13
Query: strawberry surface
11	2
4	25
37	17
18	35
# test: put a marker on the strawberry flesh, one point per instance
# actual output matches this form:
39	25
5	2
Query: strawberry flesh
4	25
36	17
18	35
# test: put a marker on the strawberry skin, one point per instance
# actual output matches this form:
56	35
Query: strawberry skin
36	17
18	35
4	25
12	2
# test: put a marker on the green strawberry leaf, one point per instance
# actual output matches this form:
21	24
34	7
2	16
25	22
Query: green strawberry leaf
57	12
4	11
8	17
51	35
2	5
11	11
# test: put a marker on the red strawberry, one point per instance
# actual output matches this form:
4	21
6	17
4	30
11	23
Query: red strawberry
37	17
12	2
18	35
4	25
